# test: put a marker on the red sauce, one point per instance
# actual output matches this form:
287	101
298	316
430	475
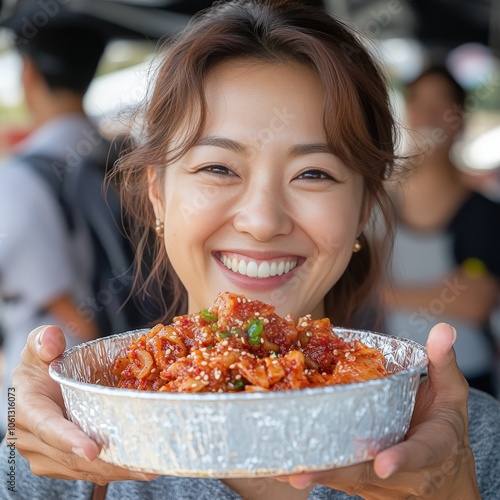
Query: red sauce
240	344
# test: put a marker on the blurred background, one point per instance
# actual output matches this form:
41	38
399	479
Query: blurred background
408	36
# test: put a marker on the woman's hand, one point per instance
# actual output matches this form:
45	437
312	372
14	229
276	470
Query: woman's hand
52	444
435	460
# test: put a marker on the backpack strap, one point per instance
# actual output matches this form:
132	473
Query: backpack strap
53	172
79	190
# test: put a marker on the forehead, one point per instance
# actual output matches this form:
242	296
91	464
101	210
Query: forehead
432	86
276	96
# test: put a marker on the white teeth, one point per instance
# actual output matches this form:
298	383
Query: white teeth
263	270
273	271
252	269
242	268
281	268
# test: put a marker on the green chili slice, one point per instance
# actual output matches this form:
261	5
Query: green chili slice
238	384
254	331
208	316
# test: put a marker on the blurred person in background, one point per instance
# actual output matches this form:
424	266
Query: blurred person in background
46	270
446	261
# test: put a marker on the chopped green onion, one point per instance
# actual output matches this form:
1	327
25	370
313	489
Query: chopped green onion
224	334
236	331
214	327
238	384
254	331
208	316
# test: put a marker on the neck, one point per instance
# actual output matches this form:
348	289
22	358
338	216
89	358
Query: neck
53	104
432	192
433	173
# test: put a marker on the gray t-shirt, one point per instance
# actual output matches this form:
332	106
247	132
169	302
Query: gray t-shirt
484	433
39	259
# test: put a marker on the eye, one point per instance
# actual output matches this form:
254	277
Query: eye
217	170
315	174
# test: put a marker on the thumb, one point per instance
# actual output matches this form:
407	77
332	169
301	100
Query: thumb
44	344
444	374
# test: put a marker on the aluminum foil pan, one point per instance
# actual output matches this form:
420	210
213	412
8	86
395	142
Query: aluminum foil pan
239	434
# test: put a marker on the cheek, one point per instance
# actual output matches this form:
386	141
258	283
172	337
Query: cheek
333	223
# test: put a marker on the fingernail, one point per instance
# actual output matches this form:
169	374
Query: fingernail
300	482
454	334
144	477
389	471
80	453
39	338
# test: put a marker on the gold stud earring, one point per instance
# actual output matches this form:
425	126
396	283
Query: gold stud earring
357	246
159	227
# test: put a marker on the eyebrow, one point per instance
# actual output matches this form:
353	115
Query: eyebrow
237	147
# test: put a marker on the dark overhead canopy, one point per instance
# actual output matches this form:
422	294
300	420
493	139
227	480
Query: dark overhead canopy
441	24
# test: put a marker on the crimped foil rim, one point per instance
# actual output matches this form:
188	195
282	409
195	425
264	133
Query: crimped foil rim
56	366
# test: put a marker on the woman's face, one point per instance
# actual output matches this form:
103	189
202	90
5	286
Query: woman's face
431	109
261	206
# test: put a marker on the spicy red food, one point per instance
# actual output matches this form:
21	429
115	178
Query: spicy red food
241	344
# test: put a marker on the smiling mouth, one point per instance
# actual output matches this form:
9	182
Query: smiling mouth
258	269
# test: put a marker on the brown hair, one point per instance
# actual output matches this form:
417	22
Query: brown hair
357	120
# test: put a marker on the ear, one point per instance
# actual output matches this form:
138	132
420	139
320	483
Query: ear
30	75
364	215
154	191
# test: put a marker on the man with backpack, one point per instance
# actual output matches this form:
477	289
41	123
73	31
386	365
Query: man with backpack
63	257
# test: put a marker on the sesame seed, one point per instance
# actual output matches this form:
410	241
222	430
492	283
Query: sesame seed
244	353
232	366
261	340
197	377
275	362
202	373
266	321
224	342
237	376
303	324
335	352
308	334
256	313
226	354
168	351
193	385
204	363
238	300
190	369
217	374
205	377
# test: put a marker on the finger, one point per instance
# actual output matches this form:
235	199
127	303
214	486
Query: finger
44	344
351	479
49	425
99	472
445	377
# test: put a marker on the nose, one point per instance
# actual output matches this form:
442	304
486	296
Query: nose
263	214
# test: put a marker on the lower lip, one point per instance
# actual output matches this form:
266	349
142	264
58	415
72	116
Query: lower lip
249	283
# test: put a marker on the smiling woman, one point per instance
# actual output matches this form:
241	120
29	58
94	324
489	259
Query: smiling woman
286	139
290	204
267	142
